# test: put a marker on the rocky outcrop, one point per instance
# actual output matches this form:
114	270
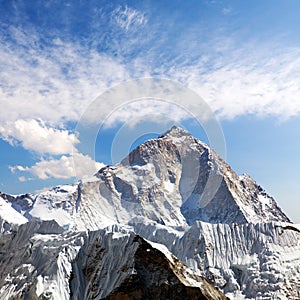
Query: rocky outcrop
119	265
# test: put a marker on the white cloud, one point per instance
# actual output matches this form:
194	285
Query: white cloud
61	168
128	18
37	136
54	84
146	109
241	82
57	84
247	84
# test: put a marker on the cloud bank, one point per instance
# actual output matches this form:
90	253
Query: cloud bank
57	84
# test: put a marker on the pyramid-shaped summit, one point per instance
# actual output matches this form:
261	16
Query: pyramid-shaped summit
196	183
175	131
173	180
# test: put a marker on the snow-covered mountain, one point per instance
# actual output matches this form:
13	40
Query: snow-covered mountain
112	233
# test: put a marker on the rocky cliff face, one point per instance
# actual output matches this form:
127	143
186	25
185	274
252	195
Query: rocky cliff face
113	232
145	270
207	188
39	260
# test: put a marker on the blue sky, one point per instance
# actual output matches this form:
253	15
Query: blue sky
57	57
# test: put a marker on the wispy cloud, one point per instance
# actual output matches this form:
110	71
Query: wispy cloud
240	83
63	79
42	90
128	18
54	84
248	84
134	112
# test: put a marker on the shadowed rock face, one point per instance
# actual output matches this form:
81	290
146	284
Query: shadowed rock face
41	261
143	272
156	278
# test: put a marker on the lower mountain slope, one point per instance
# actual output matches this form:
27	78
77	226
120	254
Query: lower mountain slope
39	260
248	261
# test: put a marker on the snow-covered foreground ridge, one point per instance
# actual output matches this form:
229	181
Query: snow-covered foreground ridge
147	227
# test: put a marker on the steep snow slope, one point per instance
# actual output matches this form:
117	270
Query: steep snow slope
137	270
35	260
251	261
9	214
40	261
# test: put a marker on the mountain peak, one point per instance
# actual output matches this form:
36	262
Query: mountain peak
175	131
168	191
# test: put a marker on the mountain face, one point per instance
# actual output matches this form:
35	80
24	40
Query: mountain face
171	221
183	166
39	260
